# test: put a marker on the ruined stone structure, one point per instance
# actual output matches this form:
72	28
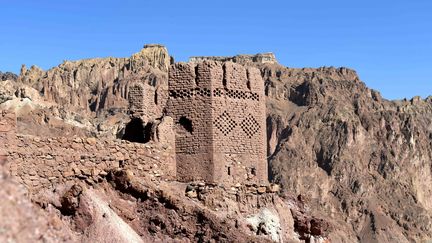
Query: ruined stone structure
147	96
219	111
45	162
142	100
40	162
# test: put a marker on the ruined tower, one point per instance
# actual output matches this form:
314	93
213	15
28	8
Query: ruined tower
219	111
147	96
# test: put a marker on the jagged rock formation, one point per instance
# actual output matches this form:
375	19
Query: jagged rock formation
87	96
8	76
96	85
241	59
363	161
156	56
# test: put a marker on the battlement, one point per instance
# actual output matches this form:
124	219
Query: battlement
219	111
227	79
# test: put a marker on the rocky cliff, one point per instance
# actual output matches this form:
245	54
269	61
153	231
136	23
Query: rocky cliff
96	85
362	161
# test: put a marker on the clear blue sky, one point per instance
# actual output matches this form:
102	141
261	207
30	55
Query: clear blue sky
389	43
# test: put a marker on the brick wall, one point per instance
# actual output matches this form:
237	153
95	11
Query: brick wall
146	100
239	142
225	105
190	107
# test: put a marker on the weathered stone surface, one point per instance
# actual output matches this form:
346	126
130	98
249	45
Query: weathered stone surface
70	200
192	194
262	189
156	55
273	188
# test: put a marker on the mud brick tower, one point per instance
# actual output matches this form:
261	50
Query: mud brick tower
219	111
147	98
141	100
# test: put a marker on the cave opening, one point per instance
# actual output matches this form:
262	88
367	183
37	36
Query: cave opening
137	132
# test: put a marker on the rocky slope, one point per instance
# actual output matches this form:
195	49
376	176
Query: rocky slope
362	161
22	221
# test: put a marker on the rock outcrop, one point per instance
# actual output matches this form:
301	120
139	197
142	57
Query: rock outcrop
96	85
241	59
156	56
8	76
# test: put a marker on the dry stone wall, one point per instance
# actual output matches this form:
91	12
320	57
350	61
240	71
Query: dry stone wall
219	109
7	133
44	162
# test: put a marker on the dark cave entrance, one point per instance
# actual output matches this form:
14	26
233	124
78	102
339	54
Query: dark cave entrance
136	132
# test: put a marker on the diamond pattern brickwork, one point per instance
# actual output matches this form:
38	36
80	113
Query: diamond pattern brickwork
225	123
250	126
